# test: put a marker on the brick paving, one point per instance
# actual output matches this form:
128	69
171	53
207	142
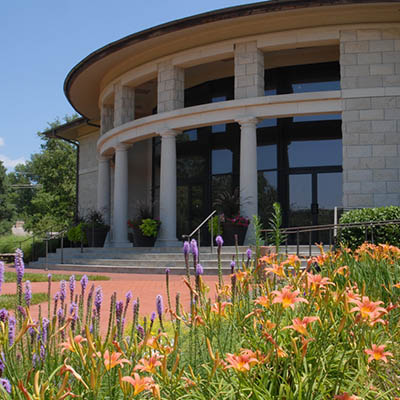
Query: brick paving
146	287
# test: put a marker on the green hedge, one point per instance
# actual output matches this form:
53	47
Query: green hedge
354	237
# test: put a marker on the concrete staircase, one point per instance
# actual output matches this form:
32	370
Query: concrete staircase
143	260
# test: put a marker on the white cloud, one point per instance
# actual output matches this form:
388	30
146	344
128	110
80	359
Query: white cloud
8	162
1	141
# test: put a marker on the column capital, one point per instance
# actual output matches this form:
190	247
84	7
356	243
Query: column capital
122	147
247	121
168	133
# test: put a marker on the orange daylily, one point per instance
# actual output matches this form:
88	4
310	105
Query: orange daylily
219	308
318	282
300	325
276	269
287	297
148	365
262	301
369	309
113	359
241	275
139	384
377	353
68	345
397	285
346	396
242	362
292	260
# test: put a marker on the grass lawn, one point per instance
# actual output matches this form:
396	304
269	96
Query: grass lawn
10	276
8	301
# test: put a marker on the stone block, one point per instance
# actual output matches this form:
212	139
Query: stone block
391	57
384	150
350	59
351	138
360	175
392	33
392	138
385	175
348	82
369	81
358	127
351	163
383	126
391	80
350	116
356	70
347	36
357	47
373	187
368	58
358	104
384	102
351	187
392	113
392	162
240	70
353	151
382	69
384	200
368	115
360	200
372	162
381	45
369	34
372	138
393	187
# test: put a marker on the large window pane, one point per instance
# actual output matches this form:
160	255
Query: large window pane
315	153
191	167
305	87
300	197
267	195
266	157
221	161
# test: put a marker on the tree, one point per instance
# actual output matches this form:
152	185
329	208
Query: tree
51	206
7	209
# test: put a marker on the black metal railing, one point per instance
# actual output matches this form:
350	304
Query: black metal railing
333	231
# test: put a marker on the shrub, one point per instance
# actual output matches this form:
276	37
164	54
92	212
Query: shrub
354	237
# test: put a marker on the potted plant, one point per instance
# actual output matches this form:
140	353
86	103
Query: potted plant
232	223
144	227
95	228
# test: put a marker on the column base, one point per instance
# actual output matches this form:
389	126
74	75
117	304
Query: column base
124	243
167	243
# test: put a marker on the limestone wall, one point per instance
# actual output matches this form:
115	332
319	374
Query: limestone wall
370	81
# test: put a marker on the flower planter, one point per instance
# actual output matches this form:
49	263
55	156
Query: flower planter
96	235
230	230
139	240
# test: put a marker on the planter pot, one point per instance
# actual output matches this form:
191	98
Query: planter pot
139	240
96	236
230	230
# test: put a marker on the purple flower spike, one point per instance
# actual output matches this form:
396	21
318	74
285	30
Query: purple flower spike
119	307
194	249
11	330
3	315
159	305
167	271
28	293
45	325
56	296
128	297
1	274
219	240
63	290
186	248
2	365
84	282
152	317
21	310
98	299
72	285
140	330
6	384
19	265
233	266
60	313
199	270
249	254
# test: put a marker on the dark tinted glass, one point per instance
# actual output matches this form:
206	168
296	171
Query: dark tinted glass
221	161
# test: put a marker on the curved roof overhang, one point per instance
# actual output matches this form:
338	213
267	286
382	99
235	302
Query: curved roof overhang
83	84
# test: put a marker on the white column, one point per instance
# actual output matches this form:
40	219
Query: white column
103	187
167	235
248	172
124	104
120	229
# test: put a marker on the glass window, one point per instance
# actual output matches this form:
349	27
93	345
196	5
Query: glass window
321	117
187	136
217	99
218	128
270	92
329	190
305	87
313	153
190	166
266	157
221	161
265	123
267	194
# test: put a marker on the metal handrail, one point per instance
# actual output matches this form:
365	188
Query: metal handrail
197	230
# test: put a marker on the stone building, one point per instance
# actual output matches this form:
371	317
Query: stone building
289	100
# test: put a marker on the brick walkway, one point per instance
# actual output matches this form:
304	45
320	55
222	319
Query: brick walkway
146	287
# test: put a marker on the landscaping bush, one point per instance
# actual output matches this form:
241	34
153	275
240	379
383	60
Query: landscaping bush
354	237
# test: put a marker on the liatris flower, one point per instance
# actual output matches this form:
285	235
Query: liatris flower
2	366
128	297
6	384
219	240
45	326
119	307
167	272
28	293
84	281
48	294
32	333
186	248
249	254
140	331
42	353
72	287
60	314
98	299
35	360
19	265
194	249
152	318
233	266
160	309
1	274
3	315
11	330
199	270
21	310
63	292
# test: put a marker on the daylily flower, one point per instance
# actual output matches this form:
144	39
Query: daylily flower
242	362
262	301
113	359
377	353
68	345
318	282
346	396
292	260
148	365
397	285
287	298
369	309
241	275
300	325
219	308
139	384
276	269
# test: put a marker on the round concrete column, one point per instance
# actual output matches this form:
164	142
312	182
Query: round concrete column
248	172
120	231
103	187
167	235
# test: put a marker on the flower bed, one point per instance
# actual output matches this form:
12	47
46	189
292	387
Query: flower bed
274	331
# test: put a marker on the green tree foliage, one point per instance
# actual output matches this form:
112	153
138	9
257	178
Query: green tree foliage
7	209
50	204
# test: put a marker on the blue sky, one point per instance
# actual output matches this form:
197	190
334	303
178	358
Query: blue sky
42	40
